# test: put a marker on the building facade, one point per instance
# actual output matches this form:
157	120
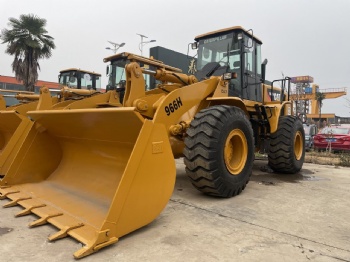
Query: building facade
9	83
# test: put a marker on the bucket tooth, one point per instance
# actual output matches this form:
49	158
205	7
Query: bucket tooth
43	220
28	210
94	247
15	202
4	192
64	232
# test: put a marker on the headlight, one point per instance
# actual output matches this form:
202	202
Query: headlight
229	76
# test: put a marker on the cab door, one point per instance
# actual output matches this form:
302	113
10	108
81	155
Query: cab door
251	79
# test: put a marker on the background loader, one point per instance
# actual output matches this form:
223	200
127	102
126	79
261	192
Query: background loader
100	173
80	79
14	123
72	78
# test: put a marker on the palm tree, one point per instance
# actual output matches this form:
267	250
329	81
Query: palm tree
320	97
27	41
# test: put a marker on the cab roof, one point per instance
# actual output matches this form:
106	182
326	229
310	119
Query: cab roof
148	61
227	30
80	70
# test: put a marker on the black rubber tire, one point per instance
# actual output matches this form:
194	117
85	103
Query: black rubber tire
282	156
205	147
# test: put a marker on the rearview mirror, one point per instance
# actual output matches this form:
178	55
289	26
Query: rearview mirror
263	71
194	45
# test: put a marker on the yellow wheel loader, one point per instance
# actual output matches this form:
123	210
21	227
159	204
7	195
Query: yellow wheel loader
79	79
14	123
100	173
72	81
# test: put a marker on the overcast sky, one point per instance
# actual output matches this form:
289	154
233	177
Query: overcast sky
300	37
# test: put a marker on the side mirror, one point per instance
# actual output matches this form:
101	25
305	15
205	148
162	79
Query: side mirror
263	71
107	70
194	45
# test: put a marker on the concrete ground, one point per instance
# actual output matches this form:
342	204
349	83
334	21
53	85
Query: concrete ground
303	217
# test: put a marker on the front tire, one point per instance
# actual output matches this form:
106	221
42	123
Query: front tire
219	151
287	146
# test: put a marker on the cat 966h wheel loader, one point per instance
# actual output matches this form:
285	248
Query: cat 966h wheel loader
98	174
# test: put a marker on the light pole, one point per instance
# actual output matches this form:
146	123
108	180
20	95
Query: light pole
142	43
115	46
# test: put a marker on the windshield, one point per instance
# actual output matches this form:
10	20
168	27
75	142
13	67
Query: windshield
78	79
68	79
87	81
117	73
336	131
223	49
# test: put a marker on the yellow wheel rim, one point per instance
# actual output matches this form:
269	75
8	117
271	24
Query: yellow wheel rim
298	145
235	151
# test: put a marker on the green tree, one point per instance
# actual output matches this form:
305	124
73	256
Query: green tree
320	97
27	40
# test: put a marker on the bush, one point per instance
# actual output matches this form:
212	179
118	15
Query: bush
345	159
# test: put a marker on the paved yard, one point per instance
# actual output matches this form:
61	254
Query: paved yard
303	217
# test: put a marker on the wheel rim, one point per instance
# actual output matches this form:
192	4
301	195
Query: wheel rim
235	151
298	145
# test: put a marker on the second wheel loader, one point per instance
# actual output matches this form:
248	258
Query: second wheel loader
14	123
98	174
80	79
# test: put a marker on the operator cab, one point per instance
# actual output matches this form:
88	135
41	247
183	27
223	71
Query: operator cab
233	50
80	79
116	76
116	71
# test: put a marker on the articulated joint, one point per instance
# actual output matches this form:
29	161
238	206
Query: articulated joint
179	128
135	69
141	105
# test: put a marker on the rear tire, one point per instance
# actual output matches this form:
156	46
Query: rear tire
287	146
219	151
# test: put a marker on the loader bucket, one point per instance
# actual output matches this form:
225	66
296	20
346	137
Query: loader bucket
95	174
14	127
13	131
10	121
2	103
14	118
22	109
